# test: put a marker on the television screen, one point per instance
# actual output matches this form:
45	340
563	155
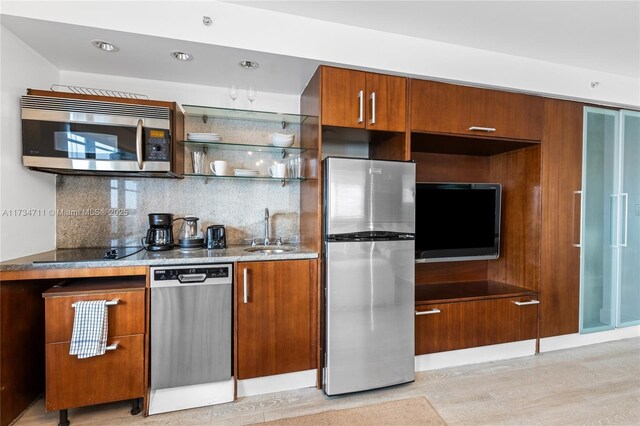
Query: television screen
457	221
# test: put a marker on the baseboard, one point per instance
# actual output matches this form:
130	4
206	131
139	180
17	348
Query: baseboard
183	397
475	355
277	383
568	341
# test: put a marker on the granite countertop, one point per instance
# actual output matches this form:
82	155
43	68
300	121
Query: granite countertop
46	260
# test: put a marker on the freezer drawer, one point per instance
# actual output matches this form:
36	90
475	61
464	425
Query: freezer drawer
369	315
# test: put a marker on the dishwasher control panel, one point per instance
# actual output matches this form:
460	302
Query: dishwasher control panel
191	274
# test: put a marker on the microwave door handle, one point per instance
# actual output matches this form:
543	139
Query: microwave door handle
139	145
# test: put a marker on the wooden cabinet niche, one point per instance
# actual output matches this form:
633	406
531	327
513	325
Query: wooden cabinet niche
276	317
117	375
363	100
453	109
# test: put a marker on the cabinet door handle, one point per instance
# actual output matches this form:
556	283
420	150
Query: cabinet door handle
112	347
373	108
482	129
528	302
579	243
429	312
109	303
245	285
361	105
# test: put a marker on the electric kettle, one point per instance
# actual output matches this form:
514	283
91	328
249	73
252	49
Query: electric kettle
190	237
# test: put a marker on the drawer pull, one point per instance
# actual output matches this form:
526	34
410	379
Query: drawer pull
112	347
429	312
530	302
109	303
483	129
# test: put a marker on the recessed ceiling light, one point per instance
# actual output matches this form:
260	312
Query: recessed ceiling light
105	45
181	56
249	65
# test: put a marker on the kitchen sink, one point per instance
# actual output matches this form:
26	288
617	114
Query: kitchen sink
269	249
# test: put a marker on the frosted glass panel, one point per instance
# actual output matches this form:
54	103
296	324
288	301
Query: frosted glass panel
629	303
599	227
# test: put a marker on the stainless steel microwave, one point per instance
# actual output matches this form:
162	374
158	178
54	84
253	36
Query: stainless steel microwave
94	137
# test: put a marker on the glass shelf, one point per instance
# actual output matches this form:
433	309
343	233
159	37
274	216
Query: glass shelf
242	114
246	147
259	177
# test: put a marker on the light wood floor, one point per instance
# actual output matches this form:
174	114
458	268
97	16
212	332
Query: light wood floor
597	384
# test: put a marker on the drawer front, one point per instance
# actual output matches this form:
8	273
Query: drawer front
125	318
117	375
471	324
448	108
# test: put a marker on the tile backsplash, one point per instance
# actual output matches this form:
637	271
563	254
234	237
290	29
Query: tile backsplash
101	211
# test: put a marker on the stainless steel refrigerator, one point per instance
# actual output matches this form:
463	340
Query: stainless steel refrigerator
369	224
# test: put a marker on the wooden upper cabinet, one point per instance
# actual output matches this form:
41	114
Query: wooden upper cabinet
452	109
363	100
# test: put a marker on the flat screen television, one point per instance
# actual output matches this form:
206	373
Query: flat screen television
457	221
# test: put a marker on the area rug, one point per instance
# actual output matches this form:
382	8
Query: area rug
414	411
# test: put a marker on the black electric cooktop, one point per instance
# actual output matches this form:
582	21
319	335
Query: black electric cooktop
90	254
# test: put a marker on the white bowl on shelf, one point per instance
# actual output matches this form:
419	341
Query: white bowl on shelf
282	140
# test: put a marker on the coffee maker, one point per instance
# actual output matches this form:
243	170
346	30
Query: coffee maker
160	233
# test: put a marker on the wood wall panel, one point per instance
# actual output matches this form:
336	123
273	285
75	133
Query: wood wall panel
519	262
310	195
561	176
451	272
450	168
22	369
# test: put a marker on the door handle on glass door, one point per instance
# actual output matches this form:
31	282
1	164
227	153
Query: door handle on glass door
579	244
625	197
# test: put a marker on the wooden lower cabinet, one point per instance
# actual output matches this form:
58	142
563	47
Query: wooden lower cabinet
276	311
118	374
459	325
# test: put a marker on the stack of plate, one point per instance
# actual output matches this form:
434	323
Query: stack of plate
204	137
245	172
282	140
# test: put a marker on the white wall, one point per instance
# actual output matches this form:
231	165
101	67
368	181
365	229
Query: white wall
266	31
184	94
22	233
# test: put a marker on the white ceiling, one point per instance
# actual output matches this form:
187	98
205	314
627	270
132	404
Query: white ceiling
596	35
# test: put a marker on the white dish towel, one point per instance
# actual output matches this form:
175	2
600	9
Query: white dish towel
90	324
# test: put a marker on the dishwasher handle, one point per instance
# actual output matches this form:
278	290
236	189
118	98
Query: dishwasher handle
192	278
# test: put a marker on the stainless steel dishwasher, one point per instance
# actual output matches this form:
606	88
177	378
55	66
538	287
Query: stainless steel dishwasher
191	339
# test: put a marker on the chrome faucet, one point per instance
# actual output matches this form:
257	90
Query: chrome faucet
266	227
